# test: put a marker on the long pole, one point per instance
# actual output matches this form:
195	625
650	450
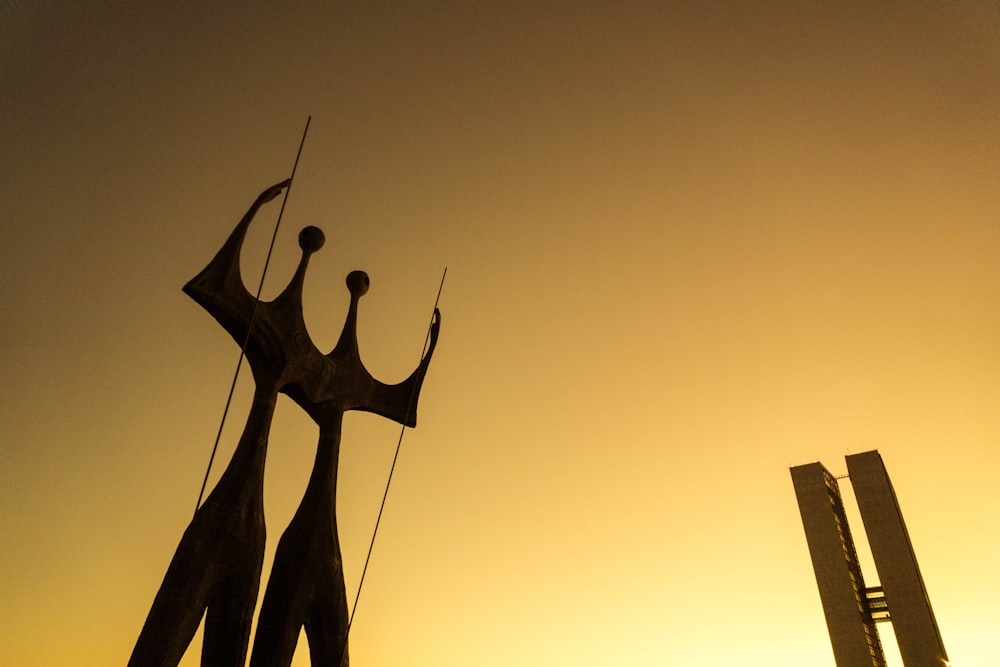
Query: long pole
253	315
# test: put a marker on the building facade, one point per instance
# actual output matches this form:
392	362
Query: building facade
853	609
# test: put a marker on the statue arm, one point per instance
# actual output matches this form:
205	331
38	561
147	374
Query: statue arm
398	402
219	288
264	197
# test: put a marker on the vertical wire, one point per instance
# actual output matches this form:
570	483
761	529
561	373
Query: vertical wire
253	315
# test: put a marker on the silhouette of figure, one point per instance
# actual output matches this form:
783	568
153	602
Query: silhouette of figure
217	565
306	586
218	561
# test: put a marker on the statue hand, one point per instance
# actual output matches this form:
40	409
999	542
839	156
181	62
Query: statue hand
435	332
273	191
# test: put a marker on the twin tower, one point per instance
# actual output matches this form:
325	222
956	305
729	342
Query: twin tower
852	609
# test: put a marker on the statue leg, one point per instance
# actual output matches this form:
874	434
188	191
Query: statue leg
283	610
326	625
306	588
230	614
217	563
179	603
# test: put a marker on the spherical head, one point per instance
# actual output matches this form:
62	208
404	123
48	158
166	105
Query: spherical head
357	282
311	239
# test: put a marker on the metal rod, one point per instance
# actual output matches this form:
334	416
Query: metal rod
253	315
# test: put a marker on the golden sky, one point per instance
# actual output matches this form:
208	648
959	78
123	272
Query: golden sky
689	245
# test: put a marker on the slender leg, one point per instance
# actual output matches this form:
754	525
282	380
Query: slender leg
230	615
326	625
179	604
306	586
283	609
217	564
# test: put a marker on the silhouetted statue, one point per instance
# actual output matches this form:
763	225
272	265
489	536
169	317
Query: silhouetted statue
306	586
217	565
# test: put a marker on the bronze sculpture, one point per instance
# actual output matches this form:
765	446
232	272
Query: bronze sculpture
217	566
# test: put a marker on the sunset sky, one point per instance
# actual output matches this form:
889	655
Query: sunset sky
689	245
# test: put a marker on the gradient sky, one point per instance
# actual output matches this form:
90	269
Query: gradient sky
688	247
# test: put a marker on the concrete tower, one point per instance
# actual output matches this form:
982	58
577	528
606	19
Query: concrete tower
851	608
